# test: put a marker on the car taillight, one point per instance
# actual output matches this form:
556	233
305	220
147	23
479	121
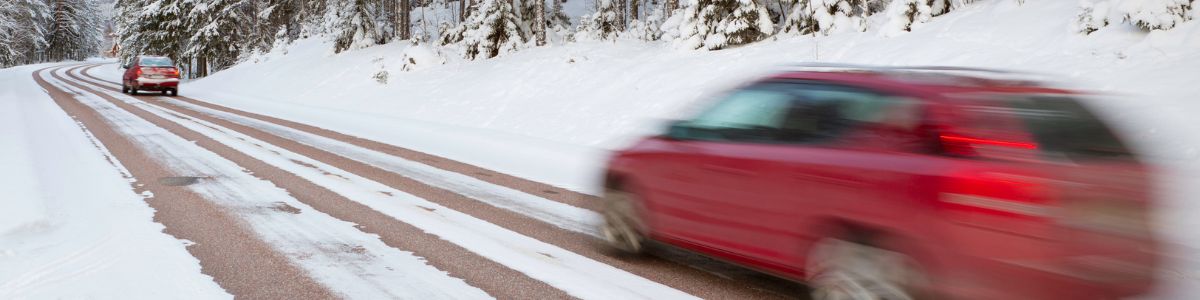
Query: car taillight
173	72
1000	201
961	145
138	72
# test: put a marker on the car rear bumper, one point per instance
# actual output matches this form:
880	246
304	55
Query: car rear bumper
157	84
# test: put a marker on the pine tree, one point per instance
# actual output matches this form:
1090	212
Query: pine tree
29	22
604	24
491	29
153	27
217	40
558	18
75	30
357	24
719	24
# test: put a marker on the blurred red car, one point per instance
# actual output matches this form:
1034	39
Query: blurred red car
896	183
151	73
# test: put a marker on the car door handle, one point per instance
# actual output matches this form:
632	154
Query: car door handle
728	170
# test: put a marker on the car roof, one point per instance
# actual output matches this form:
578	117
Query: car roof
922	81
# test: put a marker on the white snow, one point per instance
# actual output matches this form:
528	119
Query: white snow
553	113
575	274
70	224
347	261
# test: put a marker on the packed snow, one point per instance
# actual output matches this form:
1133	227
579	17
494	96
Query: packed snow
349	262
70	225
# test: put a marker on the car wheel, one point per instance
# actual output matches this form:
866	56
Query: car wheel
124	89
174	92
622	228
843	270
164	92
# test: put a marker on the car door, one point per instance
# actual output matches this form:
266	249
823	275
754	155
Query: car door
824	151
704	187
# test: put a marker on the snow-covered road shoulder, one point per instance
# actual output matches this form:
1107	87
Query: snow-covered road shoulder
70	225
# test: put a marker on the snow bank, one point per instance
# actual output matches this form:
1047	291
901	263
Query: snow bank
70	226
567	105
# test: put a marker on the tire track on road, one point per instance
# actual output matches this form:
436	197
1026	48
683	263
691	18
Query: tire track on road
238	261
496	279
686	278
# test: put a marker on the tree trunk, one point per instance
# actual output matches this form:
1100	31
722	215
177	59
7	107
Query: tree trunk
672	5
539	21
462	10
633	10
405	26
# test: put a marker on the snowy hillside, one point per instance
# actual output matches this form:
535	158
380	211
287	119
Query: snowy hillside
584	96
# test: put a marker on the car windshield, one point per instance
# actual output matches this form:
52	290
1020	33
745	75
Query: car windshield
156	62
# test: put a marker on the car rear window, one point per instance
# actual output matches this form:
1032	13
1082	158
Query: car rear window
1061	125
156	62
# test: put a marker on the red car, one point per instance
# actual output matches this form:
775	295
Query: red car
896	183
151	73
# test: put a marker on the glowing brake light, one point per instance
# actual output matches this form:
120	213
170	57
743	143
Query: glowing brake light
964	144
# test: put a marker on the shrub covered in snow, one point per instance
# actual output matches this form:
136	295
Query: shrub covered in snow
648	28
826	16
719	24
602	25
1145	14
420	56
904	15
491	29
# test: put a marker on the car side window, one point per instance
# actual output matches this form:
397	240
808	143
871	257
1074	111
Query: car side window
795	112
751	114
824	112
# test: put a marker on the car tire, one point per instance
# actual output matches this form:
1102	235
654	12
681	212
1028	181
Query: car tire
623	230
174	92
838	269
133	91
124	89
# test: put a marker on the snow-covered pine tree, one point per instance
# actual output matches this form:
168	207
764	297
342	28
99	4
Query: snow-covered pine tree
490	29
557	17
604	24
8	32
217	41
153	27
719	24
29	23
826	16
74	31
293	16
357	24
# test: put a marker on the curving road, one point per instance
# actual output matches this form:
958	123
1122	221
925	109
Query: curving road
280	209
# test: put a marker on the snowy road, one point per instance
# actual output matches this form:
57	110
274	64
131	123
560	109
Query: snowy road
280	209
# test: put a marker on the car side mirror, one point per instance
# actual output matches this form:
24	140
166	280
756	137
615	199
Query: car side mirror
126	66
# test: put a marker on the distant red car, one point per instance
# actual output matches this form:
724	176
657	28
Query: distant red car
896	183
151	73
